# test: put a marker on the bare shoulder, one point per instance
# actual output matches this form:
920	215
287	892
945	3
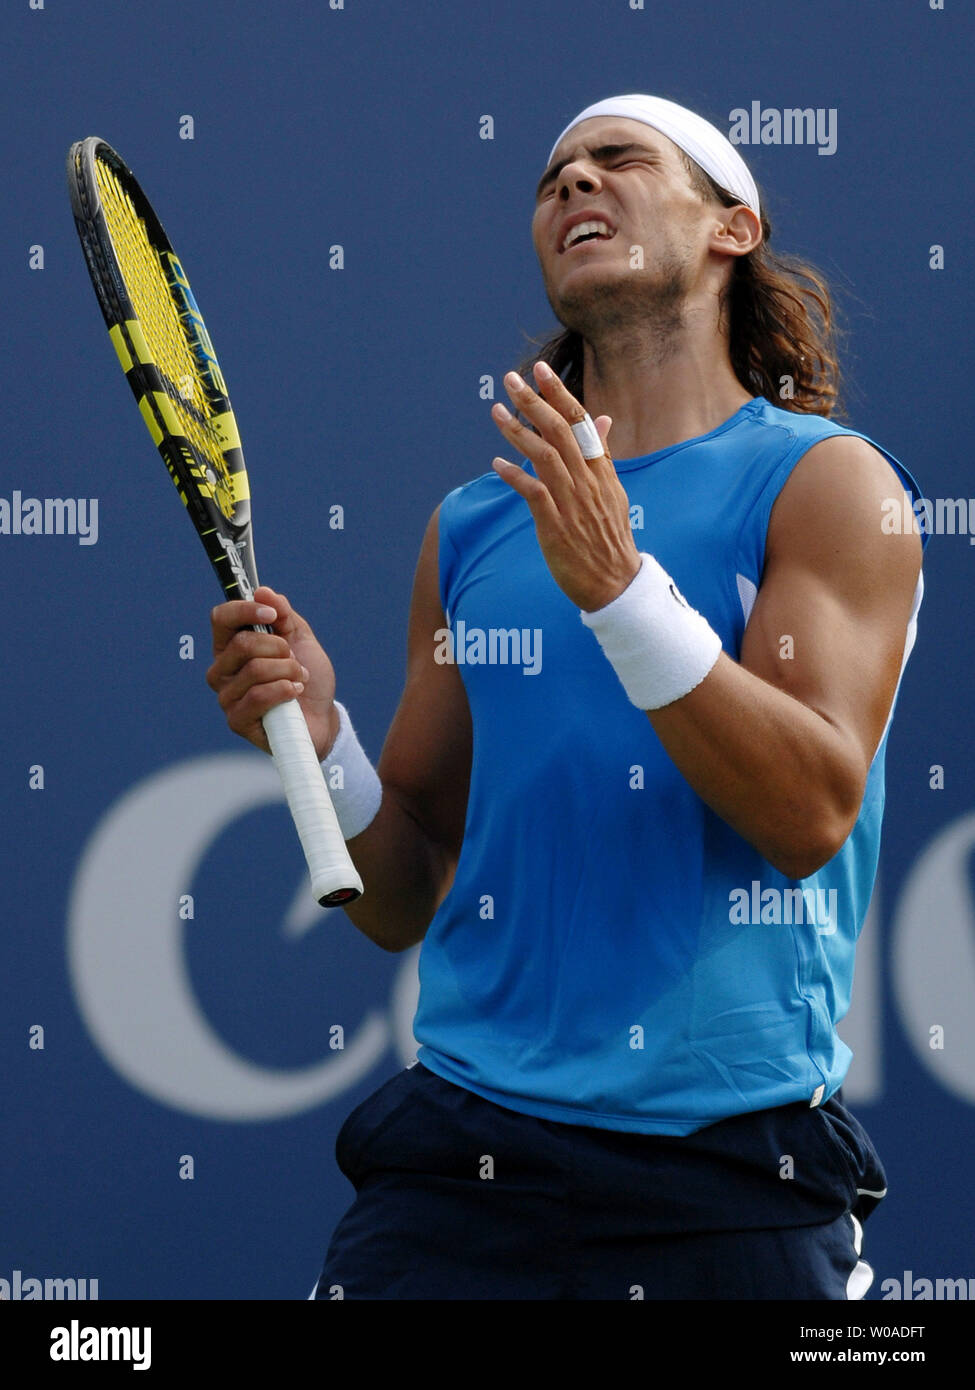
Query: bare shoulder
841	585
830	516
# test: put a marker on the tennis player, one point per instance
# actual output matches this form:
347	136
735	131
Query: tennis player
631	798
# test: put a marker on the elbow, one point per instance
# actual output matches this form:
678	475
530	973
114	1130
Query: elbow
818	826
391	936
812	845
395	944
803	863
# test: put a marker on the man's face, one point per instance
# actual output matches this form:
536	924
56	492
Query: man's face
632	176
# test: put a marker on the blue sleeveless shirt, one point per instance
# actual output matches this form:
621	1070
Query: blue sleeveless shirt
611	953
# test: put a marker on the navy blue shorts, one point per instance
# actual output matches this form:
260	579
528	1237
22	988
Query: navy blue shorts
460	1198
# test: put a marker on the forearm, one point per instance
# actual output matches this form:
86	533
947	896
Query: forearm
788	781
405	876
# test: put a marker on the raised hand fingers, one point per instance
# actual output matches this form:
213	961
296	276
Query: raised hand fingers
558	416
545	454
558	396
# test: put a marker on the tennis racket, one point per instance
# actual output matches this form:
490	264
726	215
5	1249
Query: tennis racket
167	356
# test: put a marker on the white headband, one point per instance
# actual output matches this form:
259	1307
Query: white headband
697	137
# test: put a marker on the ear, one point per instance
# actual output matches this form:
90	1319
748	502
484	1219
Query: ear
738	230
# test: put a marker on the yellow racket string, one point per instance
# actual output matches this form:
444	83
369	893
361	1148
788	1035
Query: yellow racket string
159	316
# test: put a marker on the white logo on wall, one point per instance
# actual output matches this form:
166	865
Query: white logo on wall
133	989
128	968
933	961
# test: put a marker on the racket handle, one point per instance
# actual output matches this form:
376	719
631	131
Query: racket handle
334	879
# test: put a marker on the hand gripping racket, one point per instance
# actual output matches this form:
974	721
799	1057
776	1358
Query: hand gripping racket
157	331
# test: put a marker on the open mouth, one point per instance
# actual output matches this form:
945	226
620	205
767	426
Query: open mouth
584	232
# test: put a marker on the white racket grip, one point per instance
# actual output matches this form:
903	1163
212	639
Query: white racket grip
334	878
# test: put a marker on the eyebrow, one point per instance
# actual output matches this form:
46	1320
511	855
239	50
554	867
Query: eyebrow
600	152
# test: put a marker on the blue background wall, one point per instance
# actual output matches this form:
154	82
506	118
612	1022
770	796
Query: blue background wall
360	126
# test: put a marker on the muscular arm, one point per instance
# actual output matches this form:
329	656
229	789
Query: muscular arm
780	748
408	854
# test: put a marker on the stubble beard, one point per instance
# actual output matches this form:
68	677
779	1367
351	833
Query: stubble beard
639	315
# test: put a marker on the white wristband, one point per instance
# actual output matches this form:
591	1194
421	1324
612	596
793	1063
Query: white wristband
658	645
358	798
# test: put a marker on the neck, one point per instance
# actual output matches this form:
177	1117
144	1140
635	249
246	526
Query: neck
660	389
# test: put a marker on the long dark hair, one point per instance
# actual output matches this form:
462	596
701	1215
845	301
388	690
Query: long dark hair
782	330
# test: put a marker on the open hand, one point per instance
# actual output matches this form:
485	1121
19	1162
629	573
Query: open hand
580	507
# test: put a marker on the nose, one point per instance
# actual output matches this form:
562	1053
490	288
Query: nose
577	175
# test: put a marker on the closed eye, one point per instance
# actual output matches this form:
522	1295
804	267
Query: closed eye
620	164
611	156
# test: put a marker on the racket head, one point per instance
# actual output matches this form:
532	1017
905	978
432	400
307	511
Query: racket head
166	353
